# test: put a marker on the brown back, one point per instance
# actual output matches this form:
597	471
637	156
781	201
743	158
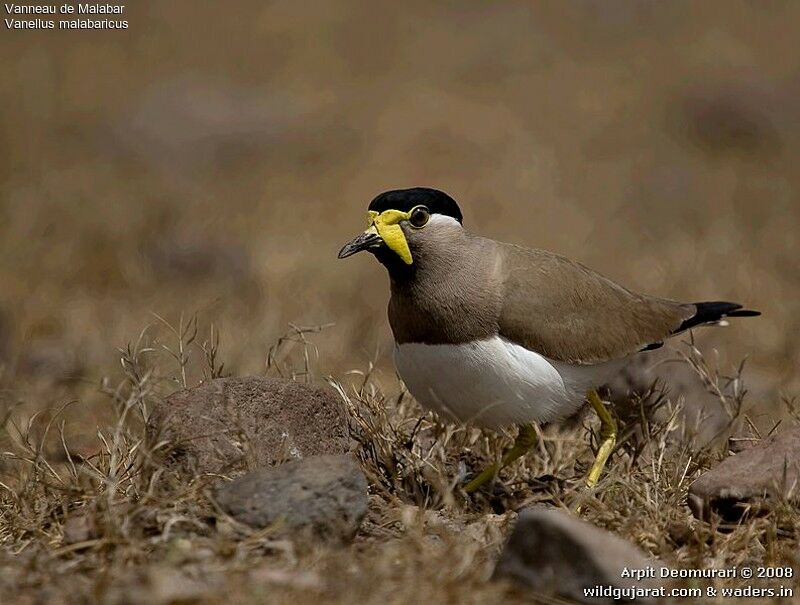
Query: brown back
567	312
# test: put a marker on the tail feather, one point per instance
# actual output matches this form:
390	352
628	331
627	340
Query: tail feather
714	312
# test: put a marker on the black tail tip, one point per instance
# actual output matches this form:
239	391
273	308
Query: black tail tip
744	313
710	312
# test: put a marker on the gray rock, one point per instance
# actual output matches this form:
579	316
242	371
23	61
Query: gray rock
740	443
663	370
233	423
553	553
325	496
768	470
641	372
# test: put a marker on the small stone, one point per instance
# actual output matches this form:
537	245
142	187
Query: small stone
325	496
231	423
553	553
766	471
662	369
648	375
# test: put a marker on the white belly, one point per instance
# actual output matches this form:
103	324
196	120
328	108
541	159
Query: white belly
495	383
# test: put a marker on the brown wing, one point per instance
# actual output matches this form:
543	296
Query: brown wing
569	313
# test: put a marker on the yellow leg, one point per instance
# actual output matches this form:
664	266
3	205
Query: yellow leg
525	440
608	438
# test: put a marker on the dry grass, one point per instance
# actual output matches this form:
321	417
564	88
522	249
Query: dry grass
114	526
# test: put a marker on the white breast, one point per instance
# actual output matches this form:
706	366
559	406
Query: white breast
496	383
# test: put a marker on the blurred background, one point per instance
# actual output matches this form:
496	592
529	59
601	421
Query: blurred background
213	160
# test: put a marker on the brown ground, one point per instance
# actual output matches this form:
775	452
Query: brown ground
212	161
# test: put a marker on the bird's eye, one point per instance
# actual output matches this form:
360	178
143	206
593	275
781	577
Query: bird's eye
419	217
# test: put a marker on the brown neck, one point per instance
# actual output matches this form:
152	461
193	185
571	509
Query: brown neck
451	293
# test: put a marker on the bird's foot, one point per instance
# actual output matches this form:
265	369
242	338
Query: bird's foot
526	438
608	438
479	480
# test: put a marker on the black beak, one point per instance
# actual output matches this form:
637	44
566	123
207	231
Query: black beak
361	242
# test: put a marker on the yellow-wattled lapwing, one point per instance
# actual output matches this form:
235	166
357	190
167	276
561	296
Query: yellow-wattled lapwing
497	334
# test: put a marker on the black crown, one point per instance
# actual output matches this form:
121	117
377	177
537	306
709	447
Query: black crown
404	200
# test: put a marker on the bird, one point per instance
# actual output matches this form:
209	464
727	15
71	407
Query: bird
498	335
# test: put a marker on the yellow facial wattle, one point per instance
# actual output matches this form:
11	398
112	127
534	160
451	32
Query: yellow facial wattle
387	225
